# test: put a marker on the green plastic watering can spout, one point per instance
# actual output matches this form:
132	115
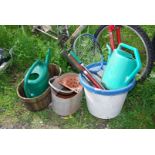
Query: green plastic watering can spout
109	51
48	57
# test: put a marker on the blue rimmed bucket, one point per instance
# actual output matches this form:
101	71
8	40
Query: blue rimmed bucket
104	104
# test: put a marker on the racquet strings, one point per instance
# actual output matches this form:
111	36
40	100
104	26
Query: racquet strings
88	49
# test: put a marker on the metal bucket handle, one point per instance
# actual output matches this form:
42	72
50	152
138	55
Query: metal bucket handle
56	89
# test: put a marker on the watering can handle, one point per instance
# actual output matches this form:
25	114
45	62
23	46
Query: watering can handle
137	58
126	46
48	56
28	74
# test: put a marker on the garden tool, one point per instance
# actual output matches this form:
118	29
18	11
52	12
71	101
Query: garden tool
70	81
74	60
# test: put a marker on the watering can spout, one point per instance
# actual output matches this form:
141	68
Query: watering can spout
48	56
109	51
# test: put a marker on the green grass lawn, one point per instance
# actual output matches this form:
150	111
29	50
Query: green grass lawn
138	111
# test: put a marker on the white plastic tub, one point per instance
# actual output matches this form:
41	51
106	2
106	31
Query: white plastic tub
105	104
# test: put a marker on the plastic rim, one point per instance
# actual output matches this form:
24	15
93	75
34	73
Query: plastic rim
104	92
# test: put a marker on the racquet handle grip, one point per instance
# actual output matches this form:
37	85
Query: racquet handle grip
65	55
76	64
75	57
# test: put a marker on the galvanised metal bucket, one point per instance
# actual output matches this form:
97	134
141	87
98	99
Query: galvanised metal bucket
65	104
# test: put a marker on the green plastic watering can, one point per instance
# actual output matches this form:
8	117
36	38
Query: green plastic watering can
36	79
121	67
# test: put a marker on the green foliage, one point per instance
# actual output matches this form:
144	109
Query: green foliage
139	108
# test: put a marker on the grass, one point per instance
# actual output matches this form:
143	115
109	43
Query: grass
138	111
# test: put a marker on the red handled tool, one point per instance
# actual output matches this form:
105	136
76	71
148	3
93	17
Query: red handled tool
74	60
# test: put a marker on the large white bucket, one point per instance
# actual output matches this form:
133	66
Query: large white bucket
104	104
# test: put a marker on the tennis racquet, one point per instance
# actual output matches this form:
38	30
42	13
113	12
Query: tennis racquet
88	50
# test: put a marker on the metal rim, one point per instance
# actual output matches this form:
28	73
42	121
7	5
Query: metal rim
51	81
